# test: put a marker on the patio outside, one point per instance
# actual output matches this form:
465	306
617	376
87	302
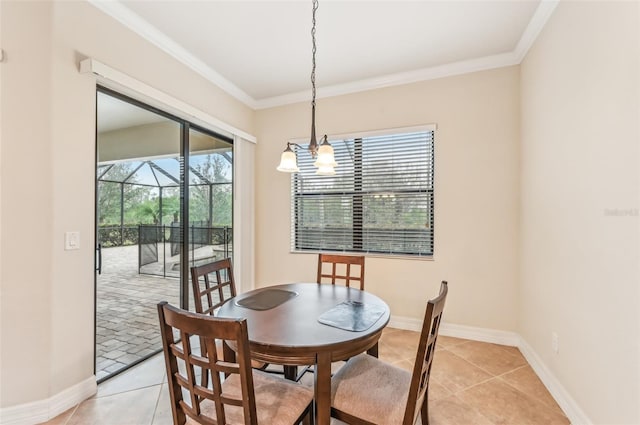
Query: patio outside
127	329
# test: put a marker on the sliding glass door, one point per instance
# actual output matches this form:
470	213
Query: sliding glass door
148	163
210	197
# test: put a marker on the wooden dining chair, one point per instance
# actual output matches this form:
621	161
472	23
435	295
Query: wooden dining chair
334	268
369	391
213	284
237	393
342	269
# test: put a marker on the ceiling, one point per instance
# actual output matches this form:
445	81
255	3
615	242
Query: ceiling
260	51
114	114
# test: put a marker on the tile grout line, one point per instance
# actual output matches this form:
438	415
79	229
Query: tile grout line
72	413
556	408
492	376
155	409
487	371
499	376
474	409
96	397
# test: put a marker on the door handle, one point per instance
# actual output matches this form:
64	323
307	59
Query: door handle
99	258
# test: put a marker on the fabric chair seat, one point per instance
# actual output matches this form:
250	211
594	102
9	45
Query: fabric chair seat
369	391
278	401
386	386
207	389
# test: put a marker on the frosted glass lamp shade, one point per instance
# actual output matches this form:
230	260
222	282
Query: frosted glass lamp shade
288	161
326	171
326	158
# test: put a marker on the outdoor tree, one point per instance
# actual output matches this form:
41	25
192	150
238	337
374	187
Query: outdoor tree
112	192
124	200
212	172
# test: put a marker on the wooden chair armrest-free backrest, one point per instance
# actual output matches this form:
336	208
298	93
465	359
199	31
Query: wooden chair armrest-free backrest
402	396
352	267
243	396
208	329
212	283
417	401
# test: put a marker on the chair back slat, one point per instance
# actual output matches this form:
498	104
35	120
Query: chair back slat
212	284
342	269
418	391
205	405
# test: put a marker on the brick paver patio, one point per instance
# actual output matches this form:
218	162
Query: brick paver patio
127	327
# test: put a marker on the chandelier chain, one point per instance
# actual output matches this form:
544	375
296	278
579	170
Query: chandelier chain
313	57
323	152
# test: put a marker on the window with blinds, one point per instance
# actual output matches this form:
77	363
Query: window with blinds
379	201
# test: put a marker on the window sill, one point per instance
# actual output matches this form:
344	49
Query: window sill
371	255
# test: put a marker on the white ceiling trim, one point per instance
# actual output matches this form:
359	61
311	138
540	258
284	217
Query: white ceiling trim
135	23
537	22
448	70
147	31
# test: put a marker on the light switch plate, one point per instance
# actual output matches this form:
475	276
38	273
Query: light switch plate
71	240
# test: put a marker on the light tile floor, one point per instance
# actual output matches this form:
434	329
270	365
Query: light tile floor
472	383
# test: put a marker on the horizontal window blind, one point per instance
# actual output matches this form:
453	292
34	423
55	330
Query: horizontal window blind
379	201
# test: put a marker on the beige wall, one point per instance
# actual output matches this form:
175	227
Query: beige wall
47	181
580	160
26	221
562	204
476	201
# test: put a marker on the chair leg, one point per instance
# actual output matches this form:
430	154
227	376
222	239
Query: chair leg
424	412
290	372
373	351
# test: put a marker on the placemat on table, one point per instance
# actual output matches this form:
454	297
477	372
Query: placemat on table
267	299
352	316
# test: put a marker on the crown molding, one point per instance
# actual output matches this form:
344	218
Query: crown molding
135	23
536	24
538	21
432	73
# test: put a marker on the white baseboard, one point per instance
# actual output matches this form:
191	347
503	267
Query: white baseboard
41	411
493	336
573	411
406	323
568	405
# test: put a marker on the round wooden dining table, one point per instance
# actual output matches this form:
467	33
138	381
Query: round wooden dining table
284	328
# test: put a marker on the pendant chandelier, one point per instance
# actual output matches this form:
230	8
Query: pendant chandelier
325	160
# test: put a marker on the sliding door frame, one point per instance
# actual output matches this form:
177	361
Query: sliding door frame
185	128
